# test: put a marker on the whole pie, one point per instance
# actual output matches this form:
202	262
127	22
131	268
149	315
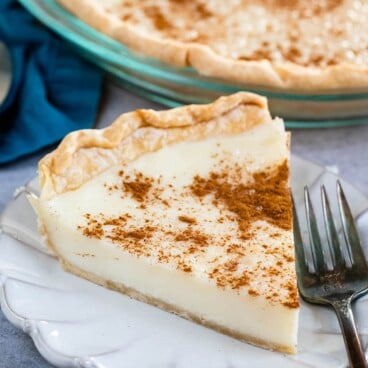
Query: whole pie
187	209
294	44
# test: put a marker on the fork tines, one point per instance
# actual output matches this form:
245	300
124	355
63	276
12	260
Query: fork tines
341	254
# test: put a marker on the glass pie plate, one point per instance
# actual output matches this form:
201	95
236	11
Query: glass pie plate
75	323
175	86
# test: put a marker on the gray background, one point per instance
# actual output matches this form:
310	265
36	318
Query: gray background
345	148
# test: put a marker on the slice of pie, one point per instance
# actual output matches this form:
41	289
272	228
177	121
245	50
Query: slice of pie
187	209
293	44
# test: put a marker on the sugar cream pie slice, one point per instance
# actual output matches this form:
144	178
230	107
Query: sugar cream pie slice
187	209
301	45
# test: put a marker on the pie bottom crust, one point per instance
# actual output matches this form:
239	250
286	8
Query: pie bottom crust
173	309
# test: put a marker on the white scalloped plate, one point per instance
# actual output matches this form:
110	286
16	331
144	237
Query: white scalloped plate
75	323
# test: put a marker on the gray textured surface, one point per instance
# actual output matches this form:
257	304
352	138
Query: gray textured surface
345	148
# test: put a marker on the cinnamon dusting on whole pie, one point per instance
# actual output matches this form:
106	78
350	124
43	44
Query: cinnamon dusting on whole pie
305	8
291	19
295	44
159	20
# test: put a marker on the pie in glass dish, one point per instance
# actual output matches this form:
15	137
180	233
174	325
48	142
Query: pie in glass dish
187	209
295	45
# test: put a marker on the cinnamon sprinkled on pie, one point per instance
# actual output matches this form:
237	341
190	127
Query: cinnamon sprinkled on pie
266	198
194	237
139	187
159	20
262	197
187	219
306	8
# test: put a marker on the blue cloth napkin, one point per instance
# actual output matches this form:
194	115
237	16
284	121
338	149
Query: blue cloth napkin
53	90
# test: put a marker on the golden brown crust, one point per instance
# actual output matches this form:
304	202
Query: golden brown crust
173	309
85	153
285	75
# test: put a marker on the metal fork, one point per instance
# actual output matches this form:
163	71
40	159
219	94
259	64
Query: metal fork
343	280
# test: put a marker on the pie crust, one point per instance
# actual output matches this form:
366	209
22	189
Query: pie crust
86	153
295	45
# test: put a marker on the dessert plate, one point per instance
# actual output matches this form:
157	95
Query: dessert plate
75	323
174	86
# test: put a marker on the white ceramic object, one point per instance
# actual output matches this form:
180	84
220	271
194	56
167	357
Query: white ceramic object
75	323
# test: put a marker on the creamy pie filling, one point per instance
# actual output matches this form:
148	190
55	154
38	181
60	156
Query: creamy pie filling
189	225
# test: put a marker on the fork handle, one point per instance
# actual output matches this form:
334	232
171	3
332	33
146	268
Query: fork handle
351	338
